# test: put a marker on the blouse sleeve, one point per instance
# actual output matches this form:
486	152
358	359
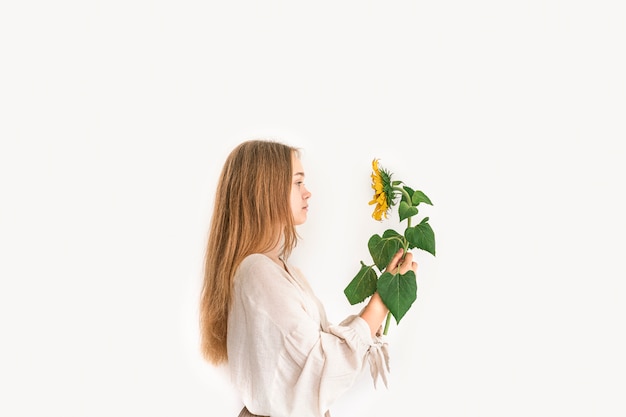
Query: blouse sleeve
282	360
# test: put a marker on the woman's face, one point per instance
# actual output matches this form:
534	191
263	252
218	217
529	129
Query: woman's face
299	193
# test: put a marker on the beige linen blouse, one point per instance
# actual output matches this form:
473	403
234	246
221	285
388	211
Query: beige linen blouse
285	358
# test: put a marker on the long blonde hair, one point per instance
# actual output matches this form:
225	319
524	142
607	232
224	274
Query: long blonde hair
251	214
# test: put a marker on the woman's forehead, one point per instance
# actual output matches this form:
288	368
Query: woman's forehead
296	165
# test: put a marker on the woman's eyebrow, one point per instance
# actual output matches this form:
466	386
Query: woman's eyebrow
299	173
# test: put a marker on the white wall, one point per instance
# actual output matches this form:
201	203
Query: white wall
116	117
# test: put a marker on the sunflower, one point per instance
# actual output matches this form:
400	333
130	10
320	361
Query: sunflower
383	191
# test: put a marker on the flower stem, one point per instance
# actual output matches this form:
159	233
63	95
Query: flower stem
387	323
404	193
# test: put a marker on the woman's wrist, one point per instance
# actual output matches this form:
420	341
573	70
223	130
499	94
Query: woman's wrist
374	313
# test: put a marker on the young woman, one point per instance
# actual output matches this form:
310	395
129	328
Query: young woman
258	312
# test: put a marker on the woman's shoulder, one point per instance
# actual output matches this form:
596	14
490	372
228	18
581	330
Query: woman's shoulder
255	260
256	266
257	273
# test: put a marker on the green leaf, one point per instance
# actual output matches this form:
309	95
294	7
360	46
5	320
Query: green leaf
419	197
405	211
421	236
390	233
363	285
383	248
398	292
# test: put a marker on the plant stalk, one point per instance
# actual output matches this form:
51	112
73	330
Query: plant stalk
387	323
403	191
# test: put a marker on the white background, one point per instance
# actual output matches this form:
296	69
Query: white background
115	118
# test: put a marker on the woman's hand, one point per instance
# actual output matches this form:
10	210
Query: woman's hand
404	264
